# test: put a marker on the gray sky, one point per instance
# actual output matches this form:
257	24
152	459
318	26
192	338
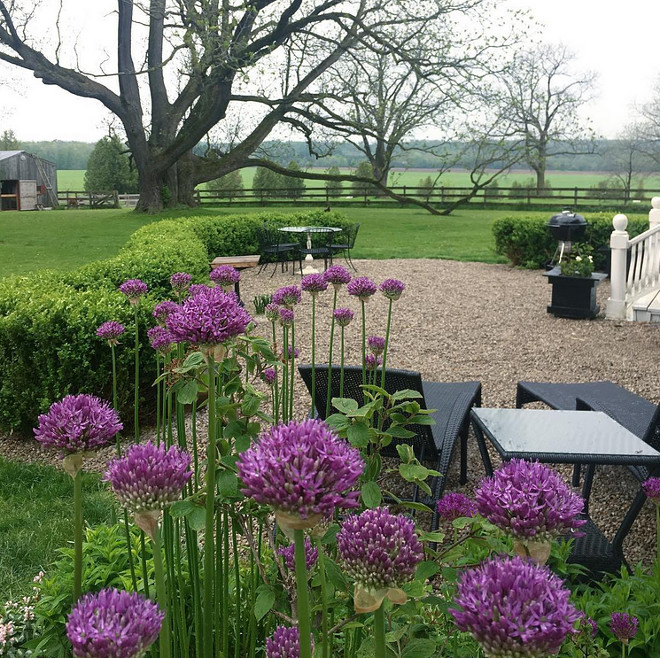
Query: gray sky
619	41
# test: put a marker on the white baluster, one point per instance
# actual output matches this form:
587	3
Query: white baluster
616	304
654	213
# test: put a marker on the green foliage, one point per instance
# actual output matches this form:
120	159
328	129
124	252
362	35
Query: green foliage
108	168
267	182
425	187
364	170
334	187
580	263
294	188
228	186
8	141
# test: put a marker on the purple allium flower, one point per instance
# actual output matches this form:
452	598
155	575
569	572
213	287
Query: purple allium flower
272	312
196	288
208	317
289	555
513	607
529	500
652	490
285	643
301	469
455	506
134	289
287	296
337	275
113	624
372	362
110	331
624	626
292	353
362	287
392	288
376	344
160	339
314	283
163	309
286	316
225	275
269	375
343	316
180	281
77	423
149	477
379	549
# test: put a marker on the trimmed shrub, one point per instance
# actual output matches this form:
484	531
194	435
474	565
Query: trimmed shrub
48	320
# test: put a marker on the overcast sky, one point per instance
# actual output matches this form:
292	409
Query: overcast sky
617	40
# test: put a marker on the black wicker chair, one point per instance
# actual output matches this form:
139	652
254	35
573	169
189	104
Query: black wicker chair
346	242
433	443
274	249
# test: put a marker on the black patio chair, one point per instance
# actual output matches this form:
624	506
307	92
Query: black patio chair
321	247
432	443
273	248
345	242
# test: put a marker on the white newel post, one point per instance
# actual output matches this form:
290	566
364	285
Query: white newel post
616	304
654	213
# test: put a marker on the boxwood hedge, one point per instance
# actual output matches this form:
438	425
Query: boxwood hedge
48	320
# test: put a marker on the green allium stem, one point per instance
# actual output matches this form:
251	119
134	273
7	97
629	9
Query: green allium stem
341	370
292	372
285	375
276	384
387	343
379	632
136	400
145	571
129	548
159	401
324	603
364	343
332	340
313	409
304	622
77	536
161	596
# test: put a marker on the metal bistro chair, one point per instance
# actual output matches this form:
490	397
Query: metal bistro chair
346	242
273	248
432	443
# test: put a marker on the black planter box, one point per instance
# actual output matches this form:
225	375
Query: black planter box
573	296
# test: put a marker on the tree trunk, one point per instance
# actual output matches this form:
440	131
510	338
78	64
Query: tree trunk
173	188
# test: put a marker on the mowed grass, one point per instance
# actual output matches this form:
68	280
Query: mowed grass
36	518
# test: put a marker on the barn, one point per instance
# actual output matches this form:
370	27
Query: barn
26	181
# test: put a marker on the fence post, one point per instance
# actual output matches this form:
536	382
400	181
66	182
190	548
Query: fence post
575	197
365	196
616	304
654	213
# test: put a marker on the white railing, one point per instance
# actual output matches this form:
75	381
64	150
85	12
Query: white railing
643	270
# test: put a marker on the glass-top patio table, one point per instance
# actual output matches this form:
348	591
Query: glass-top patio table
309	259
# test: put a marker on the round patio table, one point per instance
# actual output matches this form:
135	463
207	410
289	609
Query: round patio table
309	259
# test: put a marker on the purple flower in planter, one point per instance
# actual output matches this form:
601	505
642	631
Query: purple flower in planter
514	607
372	362
272	312
455	506
362	287
287	296
285	643
149	477
343	316
376	344
392	288
160	339
286	316
208	317
134	289
624	626
313	284
225	276
78	423
110	331
337	275
180	281
303	470
113	624
288	553
529	500
269	375
163	309
652	490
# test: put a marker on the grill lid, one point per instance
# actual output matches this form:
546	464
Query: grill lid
567	218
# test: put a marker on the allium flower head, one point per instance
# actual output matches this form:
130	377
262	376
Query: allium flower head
287	296
624	626
77	423
160	339
302	470
286	316
272	312
208	317
110	331
529	500
180	281
163	309
343	316
652	490
292	353
269	375
197	288
225	275
392	288
133	289
285	643
113	624
376	344
372	362
362	287
337	275
149	477
515	608
289	555
455	506
313	283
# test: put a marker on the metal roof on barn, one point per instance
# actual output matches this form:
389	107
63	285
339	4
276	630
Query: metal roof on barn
8	154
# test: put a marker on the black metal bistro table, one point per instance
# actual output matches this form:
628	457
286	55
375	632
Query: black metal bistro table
309	259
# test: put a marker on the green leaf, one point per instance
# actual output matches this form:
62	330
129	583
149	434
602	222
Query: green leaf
181	508
227	482
406	452
197	518
419	507
187	394
419	648
421	419
375	389
358	435
413	472
407	394
344	405
264	602
425	570
338	421
399	432
436	536
334	574
371	494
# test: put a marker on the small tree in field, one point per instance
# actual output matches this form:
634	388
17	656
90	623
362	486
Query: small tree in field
294	187
365	170
425	187
108	168
334	187
8	141
229	186
266	182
